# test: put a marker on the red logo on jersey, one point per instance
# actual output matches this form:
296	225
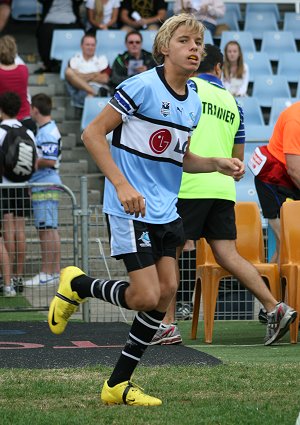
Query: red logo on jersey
160	140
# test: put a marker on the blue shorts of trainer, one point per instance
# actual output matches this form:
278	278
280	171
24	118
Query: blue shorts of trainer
45	214
140	244
209	218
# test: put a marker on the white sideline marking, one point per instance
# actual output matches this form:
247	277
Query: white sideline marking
235	345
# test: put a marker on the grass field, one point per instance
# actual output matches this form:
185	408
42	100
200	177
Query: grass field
255	385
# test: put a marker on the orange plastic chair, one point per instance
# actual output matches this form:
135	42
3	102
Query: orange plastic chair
250	245
290	258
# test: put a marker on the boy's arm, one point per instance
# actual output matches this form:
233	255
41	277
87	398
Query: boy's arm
94	138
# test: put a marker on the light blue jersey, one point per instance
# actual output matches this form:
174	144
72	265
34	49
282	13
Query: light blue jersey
149	145
48	141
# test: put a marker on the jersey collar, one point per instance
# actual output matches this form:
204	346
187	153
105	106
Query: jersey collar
211	79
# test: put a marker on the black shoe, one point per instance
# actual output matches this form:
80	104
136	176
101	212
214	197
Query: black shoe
262	316
18	284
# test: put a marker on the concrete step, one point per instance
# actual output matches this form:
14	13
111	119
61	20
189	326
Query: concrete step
68	142
74	168
47	89
72	126
80	152
95	182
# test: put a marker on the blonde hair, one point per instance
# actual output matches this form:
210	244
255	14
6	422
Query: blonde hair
98	11
8	50
240	62
167	30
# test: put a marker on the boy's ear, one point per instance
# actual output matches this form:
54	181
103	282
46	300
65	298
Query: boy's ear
165	51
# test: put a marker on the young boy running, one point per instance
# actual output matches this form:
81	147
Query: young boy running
153	115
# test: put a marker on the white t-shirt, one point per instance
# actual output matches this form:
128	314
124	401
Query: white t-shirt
107	8
95	64
61	12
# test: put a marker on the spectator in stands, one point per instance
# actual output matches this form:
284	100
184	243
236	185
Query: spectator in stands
45	199
87	74
133	61
147	14
206	201
15	201
102	14
235	70
14	77
206	11
5	9
56	14
276	168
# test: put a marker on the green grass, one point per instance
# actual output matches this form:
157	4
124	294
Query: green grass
255	385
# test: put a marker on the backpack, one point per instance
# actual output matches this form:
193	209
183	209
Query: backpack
19	154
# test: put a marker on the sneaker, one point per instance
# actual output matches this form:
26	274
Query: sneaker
184	311
42	278
167	335
279	321
9	291
18	284
65	302
127	393
263	316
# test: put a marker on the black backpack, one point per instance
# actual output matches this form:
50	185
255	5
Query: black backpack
19	154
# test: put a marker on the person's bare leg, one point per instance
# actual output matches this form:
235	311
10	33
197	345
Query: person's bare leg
4	15
9	234
5	263
275	225
78	82
20	239
227	257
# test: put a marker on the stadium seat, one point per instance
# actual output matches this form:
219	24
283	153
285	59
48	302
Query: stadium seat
110	40
234	8
298	90
231	20
278	105
290	258
258	63
208	38
258	133
266	87
65	43
148	38
26	10
291	22
244	38
252	111
275	43
271	8
250	245
289	65
258	23
91	108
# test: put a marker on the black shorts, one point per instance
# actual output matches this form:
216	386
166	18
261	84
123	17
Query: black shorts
16	201
150	241
272	196
208	218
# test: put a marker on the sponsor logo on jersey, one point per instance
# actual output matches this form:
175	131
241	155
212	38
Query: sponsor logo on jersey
160	140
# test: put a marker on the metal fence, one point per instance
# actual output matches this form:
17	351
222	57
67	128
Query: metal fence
84	242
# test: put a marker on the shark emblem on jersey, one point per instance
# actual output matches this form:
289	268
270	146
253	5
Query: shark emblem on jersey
165	109
145	239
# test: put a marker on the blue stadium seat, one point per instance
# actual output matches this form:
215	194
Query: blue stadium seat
26	10
291	22
289	65
65	43
208	38
231	20
252	111
148	38
110	40
244	38
278	105
91	108
235	9
266	87
271	8
63	67
258	133
275	43
258	63
258	23
245	188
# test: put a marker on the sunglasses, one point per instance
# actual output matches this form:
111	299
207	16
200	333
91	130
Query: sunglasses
134	42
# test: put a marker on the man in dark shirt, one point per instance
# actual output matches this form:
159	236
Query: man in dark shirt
133	61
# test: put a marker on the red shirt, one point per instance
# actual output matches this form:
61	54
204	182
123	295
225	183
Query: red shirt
16	80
